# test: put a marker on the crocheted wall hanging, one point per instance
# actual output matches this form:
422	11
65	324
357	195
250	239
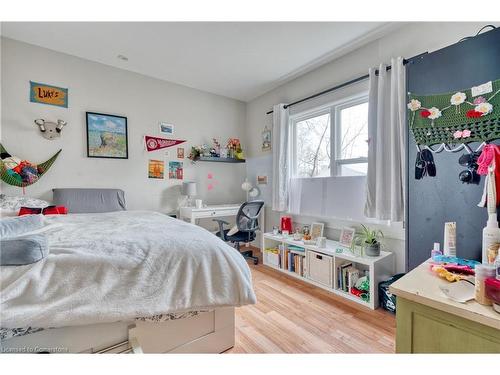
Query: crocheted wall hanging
456	117
17	172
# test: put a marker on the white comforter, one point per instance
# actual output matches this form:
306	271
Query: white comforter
119	266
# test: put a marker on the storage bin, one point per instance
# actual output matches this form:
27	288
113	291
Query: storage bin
320	268
387	300
272	258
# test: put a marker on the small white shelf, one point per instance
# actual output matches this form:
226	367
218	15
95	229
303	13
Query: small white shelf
379	268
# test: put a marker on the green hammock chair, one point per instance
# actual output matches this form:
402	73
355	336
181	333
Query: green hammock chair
42	168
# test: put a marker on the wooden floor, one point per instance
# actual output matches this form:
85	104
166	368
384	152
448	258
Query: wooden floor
295	317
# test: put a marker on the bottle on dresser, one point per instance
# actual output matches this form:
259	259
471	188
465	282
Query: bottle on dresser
491	232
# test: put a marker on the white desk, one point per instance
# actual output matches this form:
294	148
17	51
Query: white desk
191	214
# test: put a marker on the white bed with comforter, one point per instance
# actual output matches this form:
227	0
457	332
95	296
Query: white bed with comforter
109	269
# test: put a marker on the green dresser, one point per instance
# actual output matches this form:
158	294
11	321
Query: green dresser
428	322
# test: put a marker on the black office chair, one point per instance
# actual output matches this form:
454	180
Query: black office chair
247	221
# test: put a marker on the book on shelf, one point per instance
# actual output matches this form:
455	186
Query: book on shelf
342	276
296	249
290	259
352	277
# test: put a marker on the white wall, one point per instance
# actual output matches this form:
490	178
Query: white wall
198	116
409	40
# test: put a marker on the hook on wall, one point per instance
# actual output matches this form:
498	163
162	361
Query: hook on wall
445	147
50	130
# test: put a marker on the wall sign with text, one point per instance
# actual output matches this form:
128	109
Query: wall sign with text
47	94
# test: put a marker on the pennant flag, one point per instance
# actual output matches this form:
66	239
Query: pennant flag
156	143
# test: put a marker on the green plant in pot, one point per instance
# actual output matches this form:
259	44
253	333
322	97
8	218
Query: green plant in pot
369	240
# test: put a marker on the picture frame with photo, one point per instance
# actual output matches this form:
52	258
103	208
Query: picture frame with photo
166	128
317	230
347	236
262	180
180	152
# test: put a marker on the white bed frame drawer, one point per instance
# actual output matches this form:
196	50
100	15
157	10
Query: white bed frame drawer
320	268
208	332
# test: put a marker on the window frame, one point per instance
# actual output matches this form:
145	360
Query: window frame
334	109
293	122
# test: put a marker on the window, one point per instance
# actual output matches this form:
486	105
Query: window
341	130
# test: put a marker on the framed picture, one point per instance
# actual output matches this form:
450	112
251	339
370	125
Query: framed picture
317	230
106	136
266	139
166	128
180	152
156	169
175	170
347	236
262	180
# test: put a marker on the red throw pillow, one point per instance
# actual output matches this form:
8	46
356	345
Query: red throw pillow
50	210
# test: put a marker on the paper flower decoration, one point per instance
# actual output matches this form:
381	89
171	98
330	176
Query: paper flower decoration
484	108
473	114
425	113
414	105
462	134
434	113
458	98
479	100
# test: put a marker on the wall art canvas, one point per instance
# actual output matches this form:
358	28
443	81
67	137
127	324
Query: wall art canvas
166	128
175	170
48	94
106	136
156	169
180	152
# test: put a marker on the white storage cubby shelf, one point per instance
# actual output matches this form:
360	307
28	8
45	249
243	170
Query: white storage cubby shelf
321	264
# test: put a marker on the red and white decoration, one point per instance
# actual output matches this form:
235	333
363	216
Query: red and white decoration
157	143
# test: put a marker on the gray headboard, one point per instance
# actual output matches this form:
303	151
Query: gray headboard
90	200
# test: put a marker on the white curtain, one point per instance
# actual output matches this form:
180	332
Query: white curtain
281	156
385	192
336	197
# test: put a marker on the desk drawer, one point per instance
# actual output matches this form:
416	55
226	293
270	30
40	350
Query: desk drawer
215	213
320	268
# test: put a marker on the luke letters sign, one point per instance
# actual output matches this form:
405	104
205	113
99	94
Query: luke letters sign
47	94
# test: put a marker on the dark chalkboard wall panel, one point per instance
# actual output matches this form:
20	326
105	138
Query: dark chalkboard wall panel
434	201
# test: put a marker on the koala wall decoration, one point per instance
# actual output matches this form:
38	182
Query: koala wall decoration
50	130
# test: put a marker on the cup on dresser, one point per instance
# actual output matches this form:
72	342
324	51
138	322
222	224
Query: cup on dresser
198	203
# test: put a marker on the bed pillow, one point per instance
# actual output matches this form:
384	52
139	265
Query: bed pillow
22	250
90	200
16	226
14	203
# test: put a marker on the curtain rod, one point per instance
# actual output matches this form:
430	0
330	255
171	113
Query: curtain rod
352	81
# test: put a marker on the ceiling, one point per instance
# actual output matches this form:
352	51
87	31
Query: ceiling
240	60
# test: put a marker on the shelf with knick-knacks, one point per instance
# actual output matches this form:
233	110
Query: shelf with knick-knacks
231	153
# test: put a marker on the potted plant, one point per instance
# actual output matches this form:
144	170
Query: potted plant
195	153
369	240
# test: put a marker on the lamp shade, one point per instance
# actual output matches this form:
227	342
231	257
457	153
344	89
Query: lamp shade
189	188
